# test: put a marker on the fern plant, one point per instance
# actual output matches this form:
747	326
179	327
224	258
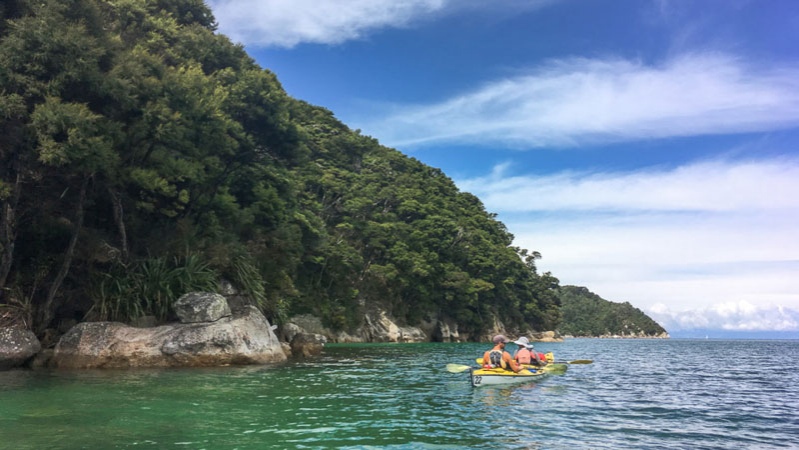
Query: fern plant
149	287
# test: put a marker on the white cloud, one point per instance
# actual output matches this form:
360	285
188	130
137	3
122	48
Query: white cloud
706	233
715	186
577	101
732	316
286	23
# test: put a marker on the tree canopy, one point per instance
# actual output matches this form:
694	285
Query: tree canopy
142	154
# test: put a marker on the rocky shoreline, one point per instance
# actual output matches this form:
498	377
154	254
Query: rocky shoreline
622	336
216	330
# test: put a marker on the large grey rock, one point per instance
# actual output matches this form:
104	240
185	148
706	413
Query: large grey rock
346	338
17	345
447	331
244	339
546	336
309	324
308	344
288	331
196	307
412	334
378	327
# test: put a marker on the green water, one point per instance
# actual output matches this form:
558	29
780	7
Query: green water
637	394
347	397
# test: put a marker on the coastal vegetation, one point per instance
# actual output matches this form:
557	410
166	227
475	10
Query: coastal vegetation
144	155
586	314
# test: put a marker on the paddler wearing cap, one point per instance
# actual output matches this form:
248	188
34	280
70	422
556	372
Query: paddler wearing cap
498	357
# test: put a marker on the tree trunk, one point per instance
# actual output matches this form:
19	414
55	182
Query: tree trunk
119	218
47	310
8	231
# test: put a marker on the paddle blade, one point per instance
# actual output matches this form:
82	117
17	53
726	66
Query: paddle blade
556	368
457	368
581	361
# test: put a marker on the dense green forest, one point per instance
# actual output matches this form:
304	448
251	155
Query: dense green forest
586	314
143	155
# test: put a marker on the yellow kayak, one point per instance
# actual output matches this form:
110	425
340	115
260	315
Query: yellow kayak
484	376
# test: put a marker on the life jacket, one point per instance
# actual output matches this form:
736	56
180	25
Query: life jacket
523	356
495	359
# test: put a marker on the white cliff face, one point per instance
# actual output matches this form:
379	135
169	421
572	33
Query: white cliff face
246	338
377	327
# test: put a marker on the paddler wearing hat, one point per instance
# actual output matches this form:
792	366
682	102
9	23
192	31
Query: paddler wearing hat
498	357
522	354
526	353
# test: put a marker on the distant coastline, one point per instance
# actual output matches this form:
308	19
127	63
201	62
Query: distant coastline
734	334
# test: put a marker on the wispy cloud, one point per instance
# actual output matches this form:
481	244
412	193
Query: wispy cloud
707	232
709	186
583	101
286	23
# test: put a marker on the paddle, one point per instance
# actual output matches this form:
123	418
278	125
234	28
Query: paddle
457	368
555	368
576	361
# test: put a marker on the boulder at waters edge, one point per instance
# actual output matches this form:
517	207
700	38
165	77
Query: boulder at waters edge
246	338
17	345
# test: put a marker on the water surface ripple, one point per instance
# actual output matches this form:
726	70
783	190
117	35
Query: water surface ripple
647	394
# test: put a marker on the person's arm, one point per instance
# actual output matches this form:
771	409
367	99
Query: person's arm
511	363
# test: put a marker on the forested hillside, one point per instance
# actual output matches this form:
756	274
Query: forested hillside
143	155
586	314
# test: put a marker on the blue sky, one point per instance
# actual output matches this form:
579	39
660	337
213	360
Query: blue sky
648	149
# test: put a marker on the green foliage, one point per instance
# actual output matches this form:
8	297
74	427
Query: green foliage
161	135
16	311
587	314
68	133
149	287
248	277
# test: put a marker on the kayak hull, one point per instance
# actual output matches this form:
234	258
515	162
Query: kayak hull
492	377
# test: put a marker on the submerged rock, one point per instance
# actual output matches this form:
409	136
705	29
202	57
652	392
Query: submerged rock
17	345
244	339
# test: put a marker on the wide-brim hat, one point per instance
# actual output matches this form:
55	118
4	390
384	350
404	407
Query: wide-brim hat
523	341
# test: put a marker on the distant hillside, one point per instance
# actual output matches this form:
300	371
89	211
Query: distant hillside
587	314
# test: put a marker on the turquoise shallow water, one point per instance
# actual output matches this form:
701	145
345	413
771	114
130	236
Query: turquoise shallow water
641	394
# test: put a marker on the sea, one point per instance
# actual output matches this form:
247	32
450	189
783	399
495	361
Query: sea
636	394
